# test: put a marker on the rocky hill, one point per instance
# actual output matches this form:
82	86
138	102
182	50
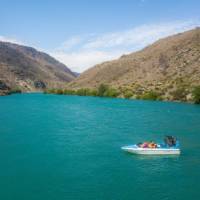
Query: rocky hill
170	67
26	69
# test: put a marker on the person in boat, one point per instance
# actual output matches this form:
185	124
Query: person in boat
150	144
170	141
143	145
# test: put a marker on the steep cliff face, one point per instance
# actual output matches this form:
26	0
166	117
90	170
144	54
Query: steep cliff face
27	69
164	66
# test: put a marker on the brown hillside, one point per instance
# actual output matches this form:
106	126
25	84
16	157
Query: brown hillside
27	69
166	65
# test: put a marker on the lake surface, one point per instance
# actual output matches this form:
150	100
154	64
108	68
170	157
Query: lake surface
67	147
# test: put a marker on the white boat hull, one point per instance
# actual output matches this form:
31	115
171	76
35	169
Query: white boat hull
149	151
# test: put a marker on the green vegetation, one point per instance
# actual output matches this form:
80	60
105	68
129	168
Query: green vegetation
128	94
15	90
111	92
68	92
106	91
102	91
179	94
196	95
150	95
83	92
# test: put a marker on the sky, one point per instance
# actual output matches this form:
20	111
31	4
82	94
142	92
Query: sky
82	33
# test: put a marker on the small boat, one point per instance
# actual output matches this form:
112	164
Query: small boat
169	147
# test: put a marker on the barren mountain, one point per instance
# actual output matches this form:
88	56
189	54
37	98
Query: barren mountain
165	66
25	68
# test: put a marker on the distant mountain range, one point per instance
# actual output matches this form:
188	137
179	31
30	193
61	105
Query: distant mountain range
169	67
26	69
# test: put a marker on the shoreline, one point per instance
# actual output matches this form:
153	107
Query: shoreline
7	93
192	96
123	98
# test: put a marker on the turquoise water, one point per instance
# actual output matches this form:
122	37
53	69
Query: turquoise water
66	147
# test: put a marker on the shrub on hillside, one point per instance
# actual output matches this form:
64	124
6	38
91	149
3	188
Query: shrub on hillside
15	90
82	92
102	90
106	91
196	95
69	92
128	94
59	91
93	92
111	92
150	95
179	94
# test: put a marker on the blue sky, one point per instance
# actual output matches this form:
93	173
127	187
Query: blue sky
82	33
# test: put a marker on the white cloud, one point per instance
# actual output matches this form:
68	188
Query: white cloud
79	61
70	43
84	51
80	53
139	36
